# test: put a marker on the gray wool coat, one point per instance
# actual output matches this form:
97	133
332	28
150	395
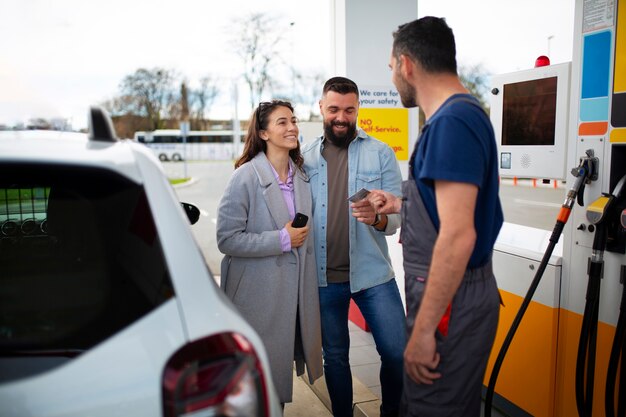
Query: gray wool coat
270	288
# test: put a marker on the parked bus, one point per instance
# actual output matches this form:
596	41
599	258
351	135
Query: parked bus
168	145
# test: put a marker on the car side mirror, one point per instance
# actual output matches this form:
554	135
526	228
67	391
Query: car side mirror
193	212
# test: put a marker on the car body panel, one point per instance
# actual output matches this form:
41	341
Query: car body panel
123	374
120	375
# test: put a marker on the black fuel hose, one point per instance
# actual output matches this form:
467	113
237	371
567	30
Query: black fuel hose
583	173
618	349
554	239
586	357
587	343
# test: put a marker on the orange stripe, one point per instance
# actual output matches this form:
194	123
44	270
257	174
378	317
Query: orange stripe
563	214
527	376
537	376
569	335
593	128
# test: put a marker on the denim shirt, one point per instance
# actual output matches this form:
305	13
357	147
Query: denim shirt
372	164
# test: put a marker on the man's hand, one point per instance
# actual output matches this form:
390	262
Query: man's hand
421	358
363	211
297	234
384	202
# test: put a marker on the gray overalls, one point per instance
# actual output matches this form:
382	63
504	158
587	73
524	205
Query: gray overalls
472	322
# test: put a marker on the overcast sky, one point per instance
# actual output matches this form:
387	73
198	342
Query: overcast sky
58	57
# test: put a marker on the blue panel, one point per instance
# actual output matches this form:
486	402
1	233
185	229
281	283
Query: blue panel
596	65
594	110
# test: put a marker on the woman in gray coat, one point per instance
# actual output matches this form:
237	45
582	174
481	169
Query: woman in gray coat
269	268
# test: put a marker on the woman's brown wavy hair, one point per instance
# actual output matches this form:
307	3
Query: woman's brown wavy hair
254	144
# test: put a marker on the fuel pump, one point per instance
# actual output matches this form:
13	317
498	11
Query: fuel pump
605	214
618	352
586	172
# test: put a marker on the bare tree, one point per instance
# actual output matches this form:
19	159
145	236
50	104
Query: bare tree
308	90
257	40
149	100
120	105
304	91
201	99
184	102
474	78
152	93
178	107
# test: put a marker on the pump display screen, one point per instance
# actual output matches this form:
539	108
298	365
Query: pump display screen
529	112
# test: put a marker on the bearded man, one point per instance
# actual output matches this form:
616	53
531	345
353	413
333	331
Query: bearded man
451	217
351	248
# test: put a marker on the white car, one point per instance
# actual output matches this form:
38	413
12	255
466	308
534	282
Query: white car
107	307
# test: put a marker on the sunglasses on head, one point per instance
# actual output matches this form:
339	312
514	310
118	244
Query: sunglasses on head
261	105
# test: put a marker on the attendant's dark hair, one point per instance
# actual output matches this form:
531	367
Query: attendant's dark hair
253	143
428	41
341	85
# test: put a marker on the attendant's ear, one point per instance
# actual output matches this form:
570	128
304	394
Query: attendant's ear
407	66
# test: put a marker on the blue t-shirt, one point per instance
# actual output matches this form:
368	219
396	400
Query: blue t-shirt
458	144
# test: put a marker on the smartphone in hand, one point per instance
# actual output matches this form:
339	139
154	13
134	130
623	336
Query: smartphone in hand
299	220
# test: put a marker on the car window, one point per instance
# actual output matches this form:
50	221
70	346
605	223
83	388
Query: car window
80	257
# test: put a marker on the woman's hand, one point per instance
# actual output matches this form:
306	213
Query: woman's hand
297	235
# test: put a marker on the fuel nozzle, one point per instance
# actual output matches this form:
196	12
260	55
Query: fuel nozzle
607	213
585	173
596	211
616	238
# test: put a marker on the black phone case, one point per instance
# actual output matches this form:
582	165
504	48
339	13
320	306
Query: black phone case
299	220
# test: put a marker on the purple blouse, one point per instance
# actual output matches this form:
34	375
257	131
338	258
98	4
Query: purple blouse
290	199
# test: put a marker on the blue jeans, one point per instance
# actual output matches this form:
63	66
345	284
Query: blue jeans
381	307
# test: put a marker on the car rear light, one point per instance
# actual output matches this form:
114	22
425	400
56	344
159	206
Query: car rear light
220	375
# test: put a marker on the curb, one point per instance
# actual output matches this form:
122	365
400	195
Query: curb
533	183
191	181
366	404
